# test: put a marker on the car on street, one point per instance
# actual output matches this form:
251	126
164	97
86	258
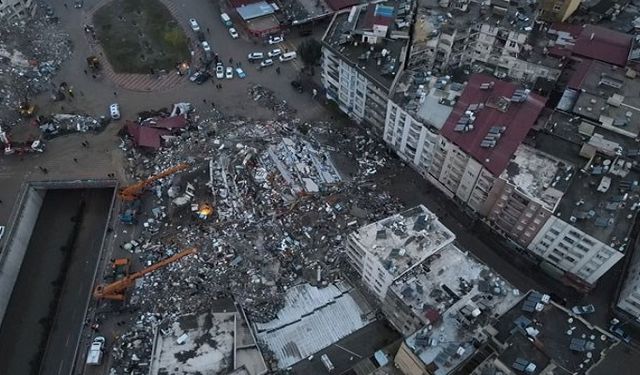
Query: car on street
78	4
219	71
194	25
275	52
199	77
255	56
233	32
1	231
275	39
206	47
114	111
229	73
620	333
241	74
265	63
288	56
297	85
583	310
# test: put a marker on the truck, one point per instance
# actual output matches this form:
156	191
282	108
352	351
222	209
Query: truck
327	362
94	356
226	20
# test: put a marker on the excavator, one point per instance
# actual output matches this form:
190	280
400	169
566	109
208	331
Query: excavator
132	192
117	289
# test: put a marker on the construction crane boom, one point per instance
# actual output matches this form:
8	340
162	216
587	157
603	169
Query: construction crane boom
131	192
116	290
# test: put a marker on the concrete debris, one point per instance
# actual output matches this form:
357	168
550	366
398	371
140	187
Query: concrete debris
264	204
266	98
62	124
30	54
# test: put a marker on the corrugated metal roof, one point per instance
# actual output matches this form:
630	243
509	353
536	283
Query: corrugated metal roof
255	10
603	44
518	119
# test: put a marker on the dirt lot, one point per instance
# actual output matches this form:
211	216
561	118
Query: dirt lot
140	35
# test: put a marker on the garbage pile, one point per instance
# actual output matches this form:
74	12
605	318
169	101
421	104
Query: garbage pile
31	52
62	123
266	98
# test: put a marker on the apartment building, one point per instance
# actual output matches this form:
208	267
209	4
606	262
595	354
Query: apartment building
10	9
419	108
364	53
383	251
557	10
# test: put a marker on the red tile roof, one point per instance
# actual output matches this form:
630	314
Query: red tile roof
518	120
603	44
341	4
144	136
175	122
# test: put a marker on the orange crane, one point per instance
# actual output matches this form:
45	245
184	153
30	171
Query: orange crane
116	290
131	192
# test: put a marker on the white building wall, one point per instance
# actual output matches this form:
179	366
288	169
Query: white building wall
375	276
574	251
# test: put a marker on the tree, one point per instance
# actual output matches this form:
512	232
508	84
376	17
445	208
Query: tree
310	52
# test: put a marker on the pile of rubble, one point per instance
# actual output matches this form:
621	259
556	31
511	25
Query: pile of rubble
31	52
266	98
61	124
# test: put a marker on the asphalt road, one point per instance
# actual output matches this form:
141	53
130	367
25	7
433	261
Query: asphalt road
22	332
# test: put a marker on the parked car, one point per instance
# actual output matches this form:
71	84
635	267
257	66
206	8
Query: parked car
233	33
255	56
265	63
297	85
219	71
206	47
78	4
275	39
1	231
194	25
114	111
275	52
583	310
288	56
96	350
620	333
229	72
240	73
199	77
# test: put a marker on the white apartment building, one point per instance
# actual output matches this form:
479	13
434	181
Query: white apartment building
582	258
383	251
629	299
16	8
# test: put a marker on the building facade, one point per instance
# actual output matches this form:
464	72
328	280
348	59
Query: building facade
557	10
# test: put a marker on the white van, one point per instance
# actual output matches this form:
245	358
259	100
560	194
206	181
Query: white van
288	56
226	20
94	357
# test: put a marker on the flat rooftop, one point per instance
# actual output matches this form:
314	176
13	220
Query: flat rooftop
351	31
403	240
539	175
549	337
450	288
607	95
427	98
491	119
602	200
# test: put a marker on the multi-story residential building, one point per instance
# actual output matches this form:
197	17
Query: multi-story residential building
415	115
500	36
363	55
10	9
383	251
629	299
557	10
489	121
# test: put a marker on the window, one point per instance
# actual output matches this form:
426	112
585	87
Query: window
512	44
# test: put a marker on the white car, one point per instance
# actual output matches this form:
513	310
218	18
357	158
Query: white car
114	111
265	63
255	56
233	33
194	25
276	39
219	71
206	47
229	73
275	53
1	231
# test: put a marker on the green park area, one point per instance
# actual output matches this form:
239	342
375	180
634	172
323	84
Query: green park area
140	36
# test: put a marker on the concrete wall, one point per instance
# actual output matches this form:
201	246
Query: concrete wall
17	241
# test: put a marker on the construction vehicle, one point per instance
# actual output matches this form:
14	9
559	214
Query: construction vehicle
93	63
119	269
132	192
117	289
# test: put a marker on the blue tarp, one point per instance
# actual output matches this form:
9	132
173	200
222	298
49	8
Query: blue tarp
255	10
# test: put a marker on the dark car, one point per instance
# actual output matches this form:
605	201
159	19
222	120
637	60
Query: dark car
620	333
297	85
199	77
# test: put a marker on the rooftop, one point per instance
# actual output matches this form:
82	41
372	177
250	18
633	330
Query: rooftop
607	95
255	10
427	98
539	332
491	119
404	240
539	175
367	37
603	44
311	320
456	296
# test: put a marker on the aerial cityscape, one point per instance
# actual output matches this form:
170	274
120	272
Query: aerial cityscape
357	187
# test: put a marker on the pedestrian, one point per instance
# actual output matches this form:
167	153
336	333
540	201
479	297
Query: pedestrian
230	60
93	76
45	170
85	72
213	105
0	201
65	5
62	108
208	31
75	160
115	93
204	100
87	142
